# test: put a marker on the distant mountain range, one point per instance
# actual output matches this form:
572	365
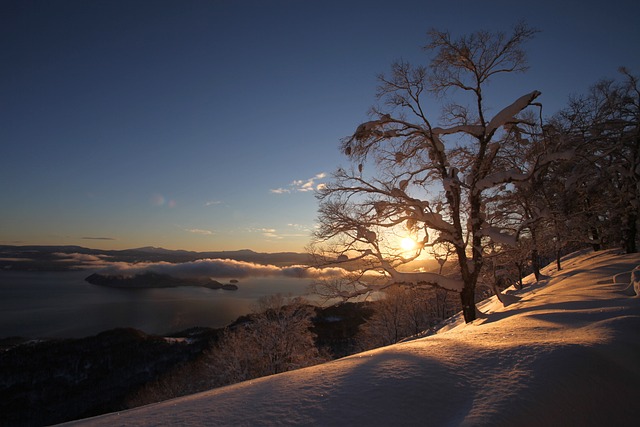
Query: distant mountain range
52	258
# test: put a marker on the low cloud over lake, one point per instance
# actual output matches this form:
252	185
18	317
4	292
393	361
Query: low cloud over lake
222	268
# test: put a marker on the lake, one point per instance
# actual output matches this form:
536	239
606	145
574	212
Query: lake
63	305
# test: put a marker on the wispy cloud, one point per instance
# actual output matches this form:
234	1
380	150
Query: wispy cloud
280	190
271	233
293	230
297	230
199	231
97	238
213	203
299	227
302	185
158	199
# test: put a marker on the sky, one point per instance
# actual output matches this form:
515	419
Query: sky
206	125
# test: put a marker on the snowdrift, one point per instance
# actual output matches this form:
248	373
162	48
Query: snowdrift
566	353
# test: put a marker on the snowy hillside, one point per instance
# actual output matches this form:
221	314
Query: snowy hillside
566	353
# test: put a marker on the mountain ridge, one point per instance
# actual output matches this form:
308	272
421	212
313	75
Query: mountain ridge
51	257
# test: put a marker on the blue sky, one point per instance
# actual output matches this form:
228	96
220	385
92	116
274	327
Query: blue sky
196	124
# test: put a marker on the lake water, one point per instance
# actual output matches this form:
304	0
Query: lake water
63	305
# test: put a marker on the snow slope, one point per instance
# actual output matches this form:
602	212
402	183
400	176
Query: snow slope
566	353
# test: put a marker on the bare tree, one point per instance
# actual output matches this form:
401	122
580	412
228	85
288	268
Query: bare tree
428	181
277	338
403	312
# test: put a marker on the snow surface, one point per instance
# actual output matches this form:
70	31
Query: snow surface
566	353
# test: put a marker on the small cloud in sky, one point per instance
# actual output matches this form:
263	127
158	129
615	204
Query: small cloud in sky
298	226
213	203
280	190
270	233
299	230
97	238
158	199
302	185
199	231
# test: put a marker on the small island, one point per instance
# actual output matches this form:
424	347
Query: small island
155	280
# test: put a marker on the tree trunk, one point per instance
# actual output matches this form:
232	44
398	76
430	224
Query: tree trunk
596	239
467	298
519	283
630	233
444	307
558	245
535	264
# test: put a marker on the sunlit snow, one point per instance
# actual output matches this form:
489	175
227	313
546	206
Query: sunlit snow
565	353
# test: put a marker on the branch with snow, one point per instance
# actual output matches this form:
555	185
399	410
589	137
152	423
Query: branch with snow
508	114
502	177
423	278
498	235
473	130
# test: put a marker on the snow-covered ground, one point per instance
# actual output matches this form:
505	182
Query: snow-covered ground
567	353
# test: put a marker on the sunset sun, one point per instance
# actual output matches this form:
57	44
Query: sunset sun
407	244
